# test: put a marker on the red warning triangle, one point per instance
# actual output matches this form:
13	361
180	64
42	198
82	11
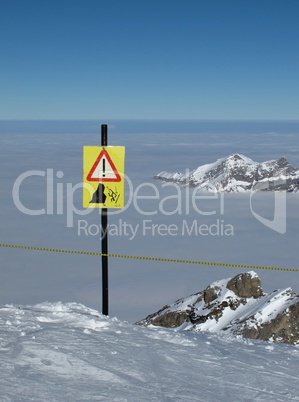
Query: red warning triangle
103	169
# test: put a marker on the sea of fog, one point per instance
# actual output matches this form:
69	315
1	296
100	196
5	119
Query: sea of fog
44	209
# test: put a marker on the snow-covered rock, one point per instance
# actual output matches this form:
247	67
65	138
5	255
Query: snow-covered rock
237	173
237	305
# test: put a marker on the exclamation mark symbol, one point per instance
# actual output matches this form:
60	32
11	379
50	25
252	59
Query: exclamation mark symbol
104	160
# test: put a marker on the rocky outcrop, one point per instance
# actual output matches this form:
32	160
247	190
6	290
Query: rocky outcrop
237	173
237	305
283	328
245	285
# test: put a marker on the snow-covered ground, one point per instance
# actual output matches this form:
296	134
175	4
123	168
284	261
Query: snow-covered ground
68	352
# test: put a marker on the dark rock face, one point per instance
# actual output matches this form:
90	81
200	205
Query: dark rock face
283	328
211	293
244	285
171	319
238	305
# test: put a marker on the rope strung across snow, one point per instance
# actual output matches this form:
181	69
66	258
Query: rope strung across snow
159	259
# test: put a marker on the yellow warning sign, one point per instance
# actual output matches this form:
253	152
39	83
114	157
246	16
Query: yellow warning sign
103	177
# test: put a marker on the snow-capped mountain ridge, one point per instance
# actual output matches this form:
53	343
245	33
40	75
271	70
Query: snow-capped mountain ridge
237	305
238	173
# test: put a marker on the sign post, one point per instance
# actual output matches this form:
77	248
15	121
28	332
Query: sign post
103	187
104	222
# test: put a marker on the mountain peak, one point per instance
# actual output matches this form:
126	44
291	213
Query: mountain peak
237	305
237	157
238	173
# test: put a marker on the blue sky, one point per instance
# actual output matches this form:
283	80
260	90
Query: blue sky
163	59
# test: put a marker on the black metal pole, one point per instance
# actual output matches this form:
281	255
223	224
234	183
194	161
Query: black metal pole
104	222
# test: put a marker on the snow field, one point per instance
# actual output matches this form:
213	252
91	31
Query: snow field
68	352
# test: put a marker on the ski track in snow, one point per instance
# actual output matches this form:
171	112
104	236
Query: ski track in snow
68	352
